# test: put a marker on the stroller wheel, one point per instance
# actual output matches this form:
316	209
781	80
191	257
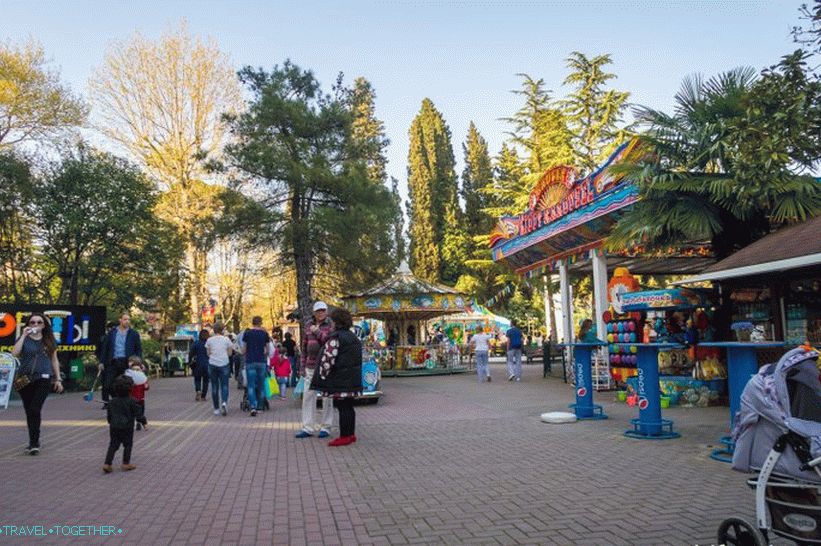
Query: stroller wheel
739	532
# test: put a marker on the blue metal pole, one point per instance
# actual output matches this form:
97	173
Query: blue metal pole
650	425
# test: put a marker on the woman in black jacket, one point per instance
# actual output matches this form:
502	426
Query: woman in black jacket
340	374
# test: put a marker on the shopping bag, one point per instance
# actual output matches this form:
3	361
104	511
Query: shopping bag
299	389
271	387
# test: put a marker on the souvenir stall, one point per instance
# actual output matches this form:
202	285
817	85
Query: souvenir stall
771	295
403	304
564	230
689	374
773	287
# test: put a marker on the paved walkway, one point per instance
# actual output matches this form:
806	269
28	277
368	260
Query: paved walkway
440	460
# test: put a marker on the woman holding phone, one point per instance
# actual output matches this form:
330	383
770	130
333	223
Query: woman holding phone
37	351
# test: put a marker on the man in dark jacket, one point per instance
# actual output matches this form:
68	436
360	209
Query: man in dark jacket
120	343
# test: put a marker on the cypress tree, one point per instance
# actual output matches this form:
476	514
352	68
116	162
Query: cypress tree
477	174
438	243
368	132
369	143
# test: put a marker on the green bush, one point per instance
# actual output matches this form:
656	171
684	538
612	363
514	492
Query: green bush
152	350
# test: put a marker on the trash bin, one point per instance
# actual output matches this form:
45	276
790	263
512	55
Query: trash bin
76	369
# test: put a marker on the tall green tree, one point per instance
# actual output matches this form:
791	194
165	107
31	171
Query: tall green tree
698	181
541	129
509	191
370	143
292	150
477	173
367	131
438	243
20	269
99	233
594	113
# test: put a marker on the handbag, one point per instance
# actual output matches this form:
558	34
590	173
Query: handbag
299	389
271	387
21	382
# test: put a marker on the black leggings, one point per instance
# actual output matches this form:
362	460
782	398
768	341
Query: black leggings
347	416
118	437
34	396
116	368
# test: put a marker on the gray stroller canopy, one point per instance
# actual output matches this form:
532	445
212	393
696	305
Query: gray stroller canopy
781	397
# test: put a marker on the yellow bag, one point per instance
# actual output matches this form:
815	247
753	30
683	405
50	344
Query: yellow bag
271	387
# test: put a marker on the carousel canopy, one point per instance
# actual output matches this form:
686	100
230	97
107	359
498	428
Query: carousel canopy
476	313
406	297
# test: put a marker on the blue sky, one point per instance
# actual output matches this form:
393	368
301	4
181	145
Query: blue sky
462	55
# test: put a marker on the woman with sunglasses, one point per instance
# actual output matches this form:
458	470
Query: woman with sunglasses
37	351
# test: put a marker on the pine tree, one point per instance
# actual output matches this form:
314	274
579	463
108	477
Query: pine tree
594	113
438	243
541	129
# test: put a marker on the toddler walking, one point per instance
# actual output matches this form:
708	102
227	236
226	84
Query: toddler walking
121	413
281	366
137	375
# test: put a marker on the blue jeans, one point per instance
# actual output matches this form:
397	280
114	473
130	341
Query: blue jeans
283	385
514	363
482	365
219	383
201	381
255	373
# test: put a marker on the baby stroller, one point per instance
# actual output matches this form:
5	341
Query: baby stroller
244	404
778	434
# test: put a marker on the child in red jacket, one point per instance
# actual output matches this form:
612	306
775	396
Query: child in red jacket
135	372
281	367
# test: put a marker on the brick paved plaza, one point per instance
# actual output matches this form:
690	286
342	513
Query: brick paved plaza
440	460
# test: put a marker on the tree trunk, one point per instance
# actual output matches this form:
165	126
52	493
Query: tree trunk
302	261
194	285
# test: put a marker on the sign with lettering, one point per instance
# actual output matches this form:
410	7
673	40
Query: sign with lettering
76	328
557	194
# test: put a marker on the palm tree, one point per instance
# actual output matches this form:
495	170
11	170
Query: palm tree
689	179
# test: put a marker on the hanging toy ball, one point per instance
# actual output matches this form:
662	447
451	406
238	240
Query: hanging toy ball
634	349
631	326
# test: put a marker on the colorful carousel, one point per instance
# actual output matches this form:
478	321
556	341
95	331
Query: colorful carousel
404	303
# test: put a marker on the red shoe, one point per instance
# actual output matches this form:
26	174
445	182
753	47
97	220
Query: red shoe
353	438
342	441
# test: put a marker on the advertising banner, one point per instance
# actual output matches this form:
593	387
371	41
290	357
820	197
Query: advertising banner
7	366
77	329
